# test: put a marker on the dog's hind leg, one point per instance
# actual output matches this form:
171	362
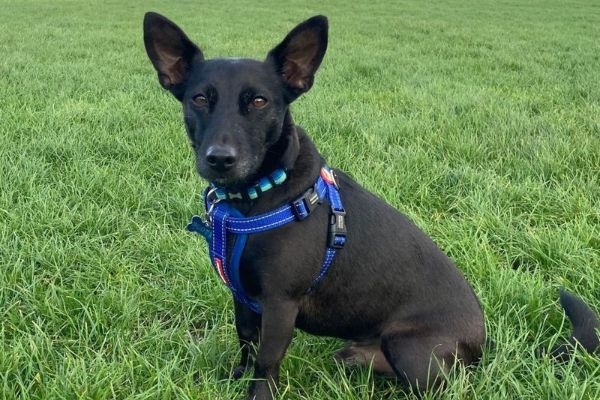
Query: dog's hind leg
420	362
366	354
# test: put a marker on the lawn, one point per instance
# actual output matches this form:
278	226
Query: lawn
479	120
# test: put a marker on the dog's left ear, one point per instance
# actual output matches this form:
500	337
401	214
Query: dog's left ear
299	55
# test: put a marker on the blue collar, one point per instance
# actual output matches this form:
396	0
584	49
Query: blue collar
223	219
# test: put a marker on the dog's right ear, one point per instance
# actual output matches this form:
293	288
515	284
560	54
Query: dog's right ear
170	51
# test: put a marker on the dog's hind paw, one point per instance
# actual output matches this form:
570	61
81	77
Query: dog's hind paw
238	372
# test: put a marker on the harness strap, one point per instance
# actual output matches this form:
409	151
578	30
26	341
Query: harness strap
226	219
274	219
219	244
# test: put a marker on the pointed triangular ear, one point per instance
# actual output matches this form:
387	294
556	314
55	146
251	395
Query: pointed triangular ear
170	51
299	55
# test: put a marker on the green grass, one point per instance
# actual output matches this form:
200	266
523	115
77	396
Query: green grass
480	120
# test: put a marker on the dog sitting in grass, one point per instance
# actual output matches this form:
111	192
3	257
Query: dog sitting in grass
303	245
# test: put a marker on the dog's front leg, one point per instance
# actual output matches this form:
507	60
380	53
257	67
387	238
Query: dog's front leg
247	325
277	327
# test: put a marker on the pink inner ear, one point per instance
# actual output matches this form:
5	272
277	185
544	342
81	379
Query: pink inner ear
294	74
300	59
171	66
177	70
165	81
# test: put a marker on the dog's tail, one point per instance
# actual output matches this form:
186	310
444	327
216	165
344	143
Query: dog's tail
585	324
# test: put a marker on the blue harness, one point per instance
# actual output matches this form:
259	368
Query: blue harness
223	219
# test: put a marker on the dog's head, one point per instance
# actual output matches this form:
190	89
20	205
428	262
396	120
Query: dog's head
236	110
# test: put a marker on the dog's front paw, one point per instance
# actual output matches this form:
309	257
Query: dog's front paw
238	372
259	397
259	390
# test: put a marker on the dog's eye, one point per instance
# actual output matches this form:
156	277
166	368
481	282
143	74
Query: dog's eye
200	101
259	102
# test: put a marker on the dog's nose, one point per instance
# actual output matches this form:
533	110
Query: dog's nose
221	157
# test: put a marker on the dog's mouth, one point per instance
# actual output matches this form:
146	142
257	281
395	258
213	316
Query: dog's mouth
231	184
226	181
237	178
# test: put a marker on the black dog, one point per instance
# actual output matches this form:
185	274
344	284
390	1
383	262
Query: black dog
399	301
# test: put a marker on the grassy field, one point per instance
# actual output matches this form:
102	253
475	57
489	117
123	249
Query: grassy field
480	120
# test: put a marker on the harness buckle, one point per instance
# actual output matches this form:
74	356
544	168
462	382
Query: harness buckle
303	206
336	236
211	198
